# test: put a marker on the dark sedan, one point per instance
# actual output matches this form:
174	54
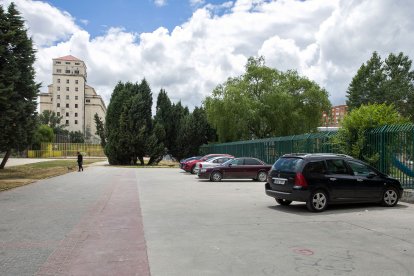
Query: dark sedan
238	168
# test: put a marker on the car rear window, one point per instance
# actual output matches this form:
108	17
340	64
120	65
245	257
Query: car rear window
288	164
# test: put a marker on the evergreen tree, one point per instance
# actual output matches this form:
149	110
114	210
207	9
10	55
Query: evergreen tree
390	81
18	90
100	129
115	150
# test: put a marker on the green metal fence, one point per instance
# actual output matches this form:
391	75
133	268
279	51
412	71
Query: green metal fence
270	149
393	147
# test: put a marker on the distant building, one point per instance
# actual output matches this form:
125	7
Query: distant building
69	96
335	116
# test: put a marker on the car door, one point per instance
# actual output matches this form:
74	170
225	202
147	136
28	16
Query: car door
369	184
251	167
340	180
234	169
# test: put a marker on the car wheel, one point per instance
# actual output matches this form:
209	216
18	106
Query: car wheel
318	201
390	197
283	202
262	176
216	177
193	170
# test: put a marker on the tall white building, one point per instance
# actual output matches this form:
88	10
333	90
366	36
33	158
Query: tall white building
69	96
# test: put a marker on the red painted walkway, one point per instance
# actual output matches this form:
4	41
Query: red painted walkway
109	240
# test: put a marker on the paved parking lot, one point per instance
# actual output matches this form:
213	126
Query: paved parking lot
116	221
232	228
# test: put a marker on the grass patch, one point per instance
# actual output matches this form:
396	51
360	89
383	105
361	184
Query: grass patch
16	176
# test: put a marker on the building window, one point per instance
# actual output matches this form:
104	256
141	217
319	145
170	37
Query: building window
58	70
51	99
76	97
67	105
57	62
76	105
67	62
67	97
76	81
76	114
67	71
76	122
58	113
67	88
58	88
58	80
58	97
77	63
58	104
67	81
67	122
67	114
76	89
88	101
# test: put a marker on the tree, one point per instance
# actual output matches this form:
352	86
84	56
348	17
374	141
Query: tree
76	137
43	134
100	129
18	90
265	102
116	152
351	136
48	117
390	81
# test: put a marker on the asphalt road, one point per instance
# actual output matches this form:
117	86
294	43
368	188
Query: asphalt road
115	221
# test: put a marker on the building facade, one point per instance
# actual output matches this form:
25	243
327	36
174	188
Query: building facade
71	97
335	116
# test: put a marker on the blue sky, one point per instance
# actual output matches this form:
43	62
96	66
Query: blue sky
133	15
189	49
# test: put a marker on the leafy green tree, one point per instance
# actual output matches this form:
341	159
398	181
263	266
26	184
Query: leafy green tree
351	138
265	102
43	134
100	129
18	89
76	137
50	118
390	81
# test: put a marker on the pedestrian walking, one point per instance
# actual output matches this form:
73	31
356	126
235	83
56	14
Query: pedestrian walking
80	161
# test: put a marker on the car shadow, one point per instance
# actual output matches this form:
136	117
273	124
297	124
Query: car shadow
301	209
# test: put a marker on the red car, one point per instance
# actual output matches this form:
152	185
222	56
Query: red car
190	166
245	167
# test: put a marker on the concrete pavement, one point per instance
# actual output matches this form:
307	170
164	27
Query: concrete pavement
116	221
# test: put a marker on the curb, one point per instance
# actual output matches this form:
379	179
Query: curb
408	196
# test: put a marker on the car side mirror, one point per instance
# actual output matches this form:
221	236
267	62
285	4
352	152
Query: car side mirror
230	164
371	175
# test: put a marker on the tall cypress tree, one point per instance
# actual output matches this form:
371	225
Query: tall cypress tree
18	89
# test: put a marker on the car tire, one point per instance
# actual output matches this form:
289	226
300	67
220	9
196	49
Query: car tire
318	201
192	170
216	177
261	176
389	197
283	202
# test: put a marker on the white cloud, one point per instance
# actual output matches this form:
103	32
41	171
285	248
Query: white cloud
160	3
324	40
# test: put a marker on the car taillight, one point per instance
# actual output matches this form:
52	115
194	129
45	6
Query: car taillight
200	166
300	180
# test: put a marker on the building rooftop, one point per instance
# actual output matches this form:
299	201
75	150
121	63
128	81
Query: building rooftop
69	58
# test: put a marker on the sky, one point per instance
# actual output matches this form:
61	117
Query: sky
188	47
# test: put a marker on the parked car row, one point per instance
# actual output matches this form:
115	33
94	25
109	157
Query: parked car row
318	179
216	167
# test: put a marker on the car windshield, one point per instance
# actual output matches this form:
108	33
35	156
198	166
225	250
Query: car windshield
288	164
211	159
